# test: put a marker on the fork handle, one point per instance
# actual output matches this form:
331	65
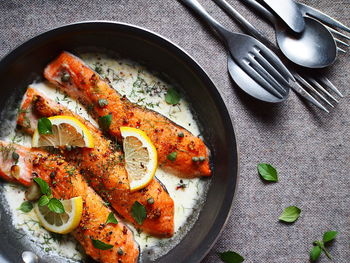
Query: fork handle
240	19
195	6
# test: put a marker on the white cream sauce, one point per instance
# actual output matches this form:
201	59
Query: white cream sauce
144	88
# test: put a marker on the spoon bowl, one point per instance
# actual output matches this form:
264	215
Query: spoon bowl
313	48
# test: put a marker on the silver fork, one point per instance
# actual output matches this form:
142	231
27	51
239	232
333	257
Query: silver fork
253	57
328	22
313	89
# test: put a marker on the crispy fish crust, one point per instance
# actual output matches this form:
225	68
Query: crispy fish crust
88	88
66	182
104	169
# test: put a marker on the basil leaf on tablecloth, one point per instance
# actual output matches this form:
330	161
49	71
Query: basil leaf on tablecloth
290	214
267	172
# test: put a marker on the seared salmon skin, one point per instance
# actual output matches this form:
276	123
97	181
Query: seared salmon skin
66	182
104	169
80	82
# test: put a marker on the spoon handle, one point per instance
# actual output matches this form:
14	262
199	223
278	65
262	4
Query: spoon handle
200	11
260	8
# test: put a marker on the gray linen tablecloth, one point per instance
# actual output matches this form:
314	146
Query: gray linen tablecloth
310	149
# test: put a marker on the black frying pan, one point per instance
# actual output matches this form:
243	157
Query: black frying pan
26	63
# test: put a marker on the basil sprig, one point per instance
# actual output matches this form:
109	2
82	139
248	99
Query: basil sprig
290	214
138	212
315	253
320	246
26	207
55	206
111	219
52	203
231	257
105	121
44	200
268	172
44	187
44	126
100	245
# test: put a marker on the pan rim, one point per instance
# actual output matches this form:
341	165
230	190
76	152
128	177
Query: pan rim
225	212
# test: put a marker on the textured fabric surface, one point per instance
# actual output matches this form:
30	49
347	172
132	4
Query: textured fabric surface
310	149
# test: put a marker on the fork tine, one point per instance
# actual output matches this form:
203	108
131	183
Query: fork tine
309	86
308	96
341	42
328	83
245	65
319	86
336	32
272	70
341	50
275	61
265	74
323	17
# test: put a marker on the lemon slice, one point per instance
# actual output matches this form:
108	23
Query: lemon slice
140	157
66	131
61	223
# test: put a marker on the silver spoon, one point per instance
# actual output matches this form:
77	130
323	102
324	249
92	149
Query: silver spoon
313	48
255	68
288	11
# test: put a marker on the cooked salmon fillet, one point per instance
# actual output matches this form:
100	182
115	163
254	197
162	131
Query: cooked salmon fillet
104	169
80	82
66	182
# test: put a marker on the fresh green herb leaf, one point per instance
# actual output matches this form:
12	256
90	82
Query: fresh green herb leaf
26	207
138	212
172	156
329	236
268	172
231	257
290	214
172	96
44	187
100	245
120	251
111	219
55	206
44	200
319	246
102	103
44	126
315	253
105	122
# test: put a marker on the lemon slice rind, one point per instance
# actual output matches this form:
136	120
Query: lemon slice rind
139	180
73	211
79	129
